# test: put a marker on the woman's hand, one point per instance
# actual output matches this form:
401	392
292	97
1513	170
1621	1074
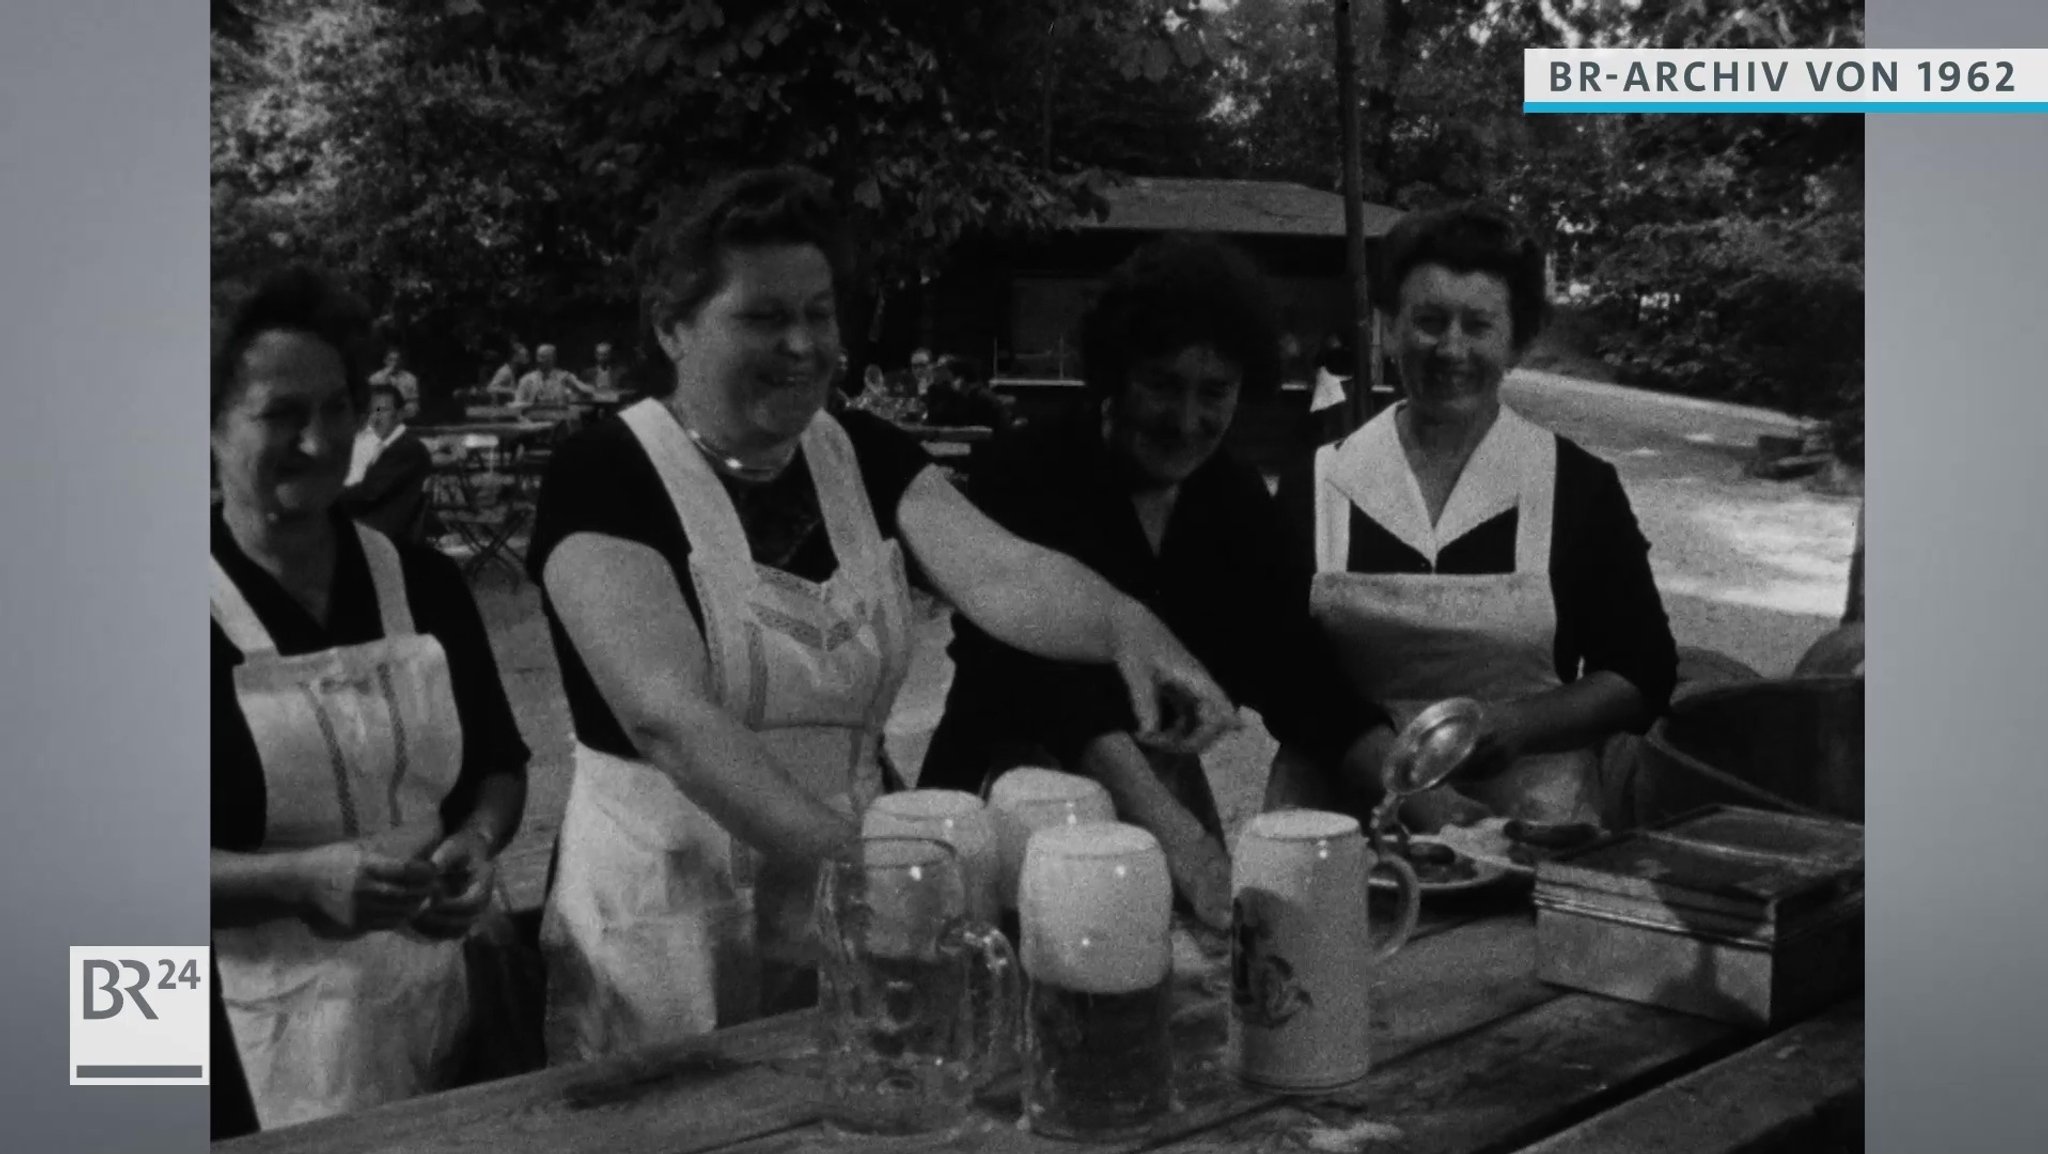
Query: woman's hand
349	889
464	868
1178	706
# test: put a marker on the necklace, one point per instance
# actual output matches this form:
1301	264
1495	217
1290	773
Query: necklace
728	463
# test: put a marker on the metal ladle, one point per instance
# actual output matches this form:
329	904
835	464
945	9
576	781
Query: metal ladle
1426	751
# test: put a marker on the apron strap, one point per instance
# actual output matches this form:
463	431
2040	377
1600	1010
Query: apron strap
1333	514
706	511
842	497
1537	503
387	577
231	610
232	613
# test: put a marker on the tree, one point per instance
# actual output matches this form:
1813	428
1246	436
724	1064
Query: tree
1732	246
478	166
483	169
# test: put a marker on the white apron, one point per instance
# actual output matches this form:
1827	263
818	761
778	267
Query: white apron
1408	640
359	742
658	921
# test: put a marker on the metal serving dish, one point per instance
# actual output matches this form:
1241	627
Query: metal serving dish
1434	744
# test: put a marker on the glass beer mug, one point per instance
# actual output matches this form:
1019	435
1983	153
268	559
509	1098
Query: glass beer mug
1096	906
902	1040
952	816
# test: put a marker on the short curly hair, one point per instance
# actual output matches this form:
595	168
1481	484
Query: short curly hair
297	299
1467	239
680	259
1178	293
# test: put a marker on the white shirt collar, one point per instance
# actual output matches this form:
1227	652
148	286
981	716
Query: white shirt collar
1372	471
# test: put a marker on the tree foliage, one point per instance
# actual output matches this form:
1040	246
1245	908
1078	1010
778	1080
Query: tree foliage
1719	255
482	168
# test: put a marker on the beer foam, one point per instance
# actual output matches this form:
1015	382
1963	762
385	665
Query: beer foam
1028	799
926	804
1301	825
1031	783
1096	903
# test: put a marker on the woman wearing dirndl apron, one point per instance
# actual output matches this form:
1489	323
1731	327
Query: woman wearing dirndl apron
727	573
366	765
1463	551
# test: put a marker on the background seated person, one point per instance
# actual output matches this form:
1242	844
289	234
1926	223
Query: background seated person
394	374
548	386
387	482
959	396
504	383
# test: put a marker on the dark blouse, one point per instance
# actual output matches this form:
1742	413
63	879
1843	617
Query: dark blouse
602	481
1609	615
1223	581
442	606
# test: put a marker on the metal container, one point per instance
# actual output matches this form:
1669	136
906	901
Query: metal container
1741	915
1794	745
1435	743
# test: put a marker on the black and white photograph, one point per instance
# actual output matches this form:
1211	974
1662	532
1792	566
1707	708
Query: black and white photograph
1020	574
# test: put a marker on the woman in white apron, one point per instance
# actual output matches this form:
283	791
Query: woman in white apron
1462	551
366	766
726	575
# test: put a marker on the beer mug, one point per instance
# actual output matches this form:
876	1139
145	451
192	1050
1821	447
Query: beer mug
902	1049
1026	800
1096	906
1301	949
957	818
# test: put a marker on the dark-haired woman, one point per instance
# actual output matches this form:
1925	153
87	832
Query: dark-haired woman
366	766
727	571
1136	483
1461	550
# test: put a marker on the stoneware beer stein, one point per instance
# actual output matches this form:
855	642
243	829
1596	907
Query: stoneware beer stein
952	816
1028	799
904	1042
1301	952
1096	905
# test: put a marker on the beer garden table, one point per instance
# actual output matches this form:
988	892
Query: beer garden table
1470	1053
481	490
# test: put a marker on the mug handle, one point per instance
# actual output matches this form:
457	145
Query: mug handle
992	952
1411	905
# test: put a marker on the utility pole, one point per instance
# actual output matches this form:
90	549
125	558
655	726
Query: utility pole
1362	351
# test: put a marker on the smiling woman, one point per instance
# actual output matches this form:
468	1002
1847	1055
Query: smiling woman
1462	551
726	571
1136	482
366	766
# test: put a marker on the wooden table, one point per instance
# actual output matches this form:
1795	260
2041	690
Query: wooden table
948	434
1471	1053
515	432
